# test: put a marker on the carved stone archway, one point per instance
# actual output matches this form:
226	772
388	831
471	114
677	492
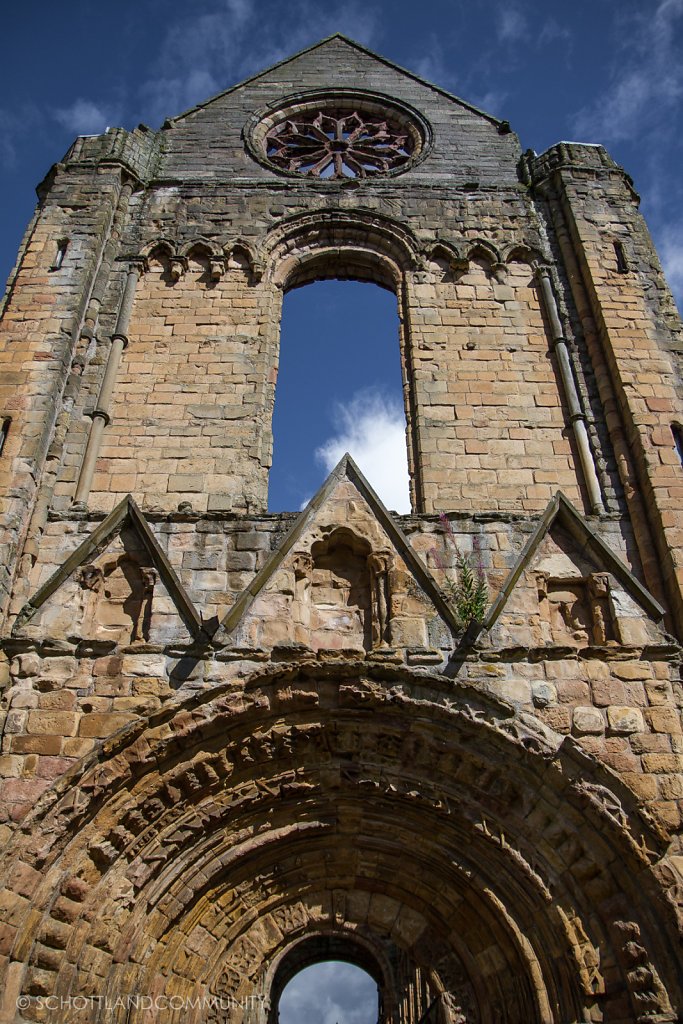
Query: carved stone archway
377	801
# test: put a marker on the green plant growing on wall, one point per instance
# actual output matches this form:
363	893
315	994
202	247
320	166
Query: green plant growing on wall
468	590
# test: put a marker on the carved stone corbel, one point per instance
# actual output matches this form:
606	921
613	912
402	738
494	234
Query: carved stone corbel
598	591
217	268
177	267
148	578
303	574
542	585
90	577
303	565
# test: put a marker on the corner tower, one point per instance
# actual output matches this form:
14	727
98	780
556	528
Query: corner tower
237	741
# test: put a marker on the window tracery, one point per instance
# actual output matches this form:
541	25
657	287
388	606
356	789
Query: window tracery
331	144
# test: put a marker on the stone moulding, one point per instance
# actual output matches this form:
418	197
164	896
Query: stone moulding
223	743
560	510
387	247
368	104
217	251
126	513
345	468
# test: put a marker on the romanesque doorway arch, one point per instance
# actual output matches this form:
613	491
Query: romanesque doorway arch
190	855
321	947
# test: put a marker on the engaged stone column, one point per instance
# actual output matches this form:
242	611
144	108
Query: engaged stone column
576	414
100	414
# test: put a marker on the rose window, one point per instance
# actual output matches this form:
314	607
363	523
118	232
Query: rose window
326	144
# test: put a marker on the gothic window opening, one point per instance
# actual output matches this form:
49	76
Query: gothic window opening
339	388
62	246
4	431
330	991
677	431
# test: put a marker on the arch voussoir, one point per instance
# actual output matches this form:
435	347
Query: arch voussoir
464	829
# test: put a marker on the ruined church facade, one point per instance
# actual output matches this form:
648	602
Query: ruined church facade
237	742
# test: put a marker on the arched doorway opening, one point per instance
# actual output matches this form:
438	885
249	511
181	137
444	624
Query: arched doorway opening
331	992
343	977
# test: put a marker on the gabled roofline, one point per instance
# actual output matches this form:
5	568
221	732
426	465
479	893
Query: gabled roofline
170	122
561	510
126	512
346	467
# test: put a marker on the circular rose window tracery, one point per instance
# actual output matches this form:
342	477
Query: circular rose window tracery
338	136
336	145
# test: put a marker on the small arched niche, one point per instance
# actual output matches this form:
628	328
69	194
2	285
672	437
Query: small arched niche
341	604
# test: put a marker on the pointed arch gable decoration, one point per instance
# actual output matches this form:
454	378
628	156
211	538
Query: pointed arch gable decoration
346	468
128	514
560	510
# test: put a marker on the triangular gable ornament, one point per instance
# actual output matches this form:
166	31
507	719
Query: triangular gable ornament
125	515
393	543
561	512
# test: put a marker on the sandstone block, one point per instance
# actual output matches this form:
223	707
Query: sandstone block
55	723
624	720
588	720
144	665
663	719
100	726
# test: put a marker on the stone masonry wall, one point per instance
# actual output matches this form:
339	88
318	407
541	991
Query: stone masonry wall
473	334
222	727
43	315
631	314
187	421
617	693
494	426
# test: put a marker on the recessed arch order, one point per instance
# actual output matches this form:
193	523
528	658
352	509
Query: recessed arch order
373	804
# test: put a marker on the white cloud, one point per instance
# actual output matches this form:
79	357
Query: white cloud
491	102
15	124
372	430
511	24
84	117
329	992
433	67
8	129
551	31
618	113
202	55
647	82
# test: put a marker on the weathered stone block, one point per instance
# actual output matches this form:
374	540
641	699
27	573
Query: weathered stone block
624	720
588	720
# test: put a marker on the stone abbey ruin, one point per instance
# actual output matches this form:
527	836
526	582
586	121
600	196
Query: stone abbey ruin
238	742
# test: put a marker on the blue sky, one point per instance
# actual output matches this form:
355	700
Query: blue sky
608	71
